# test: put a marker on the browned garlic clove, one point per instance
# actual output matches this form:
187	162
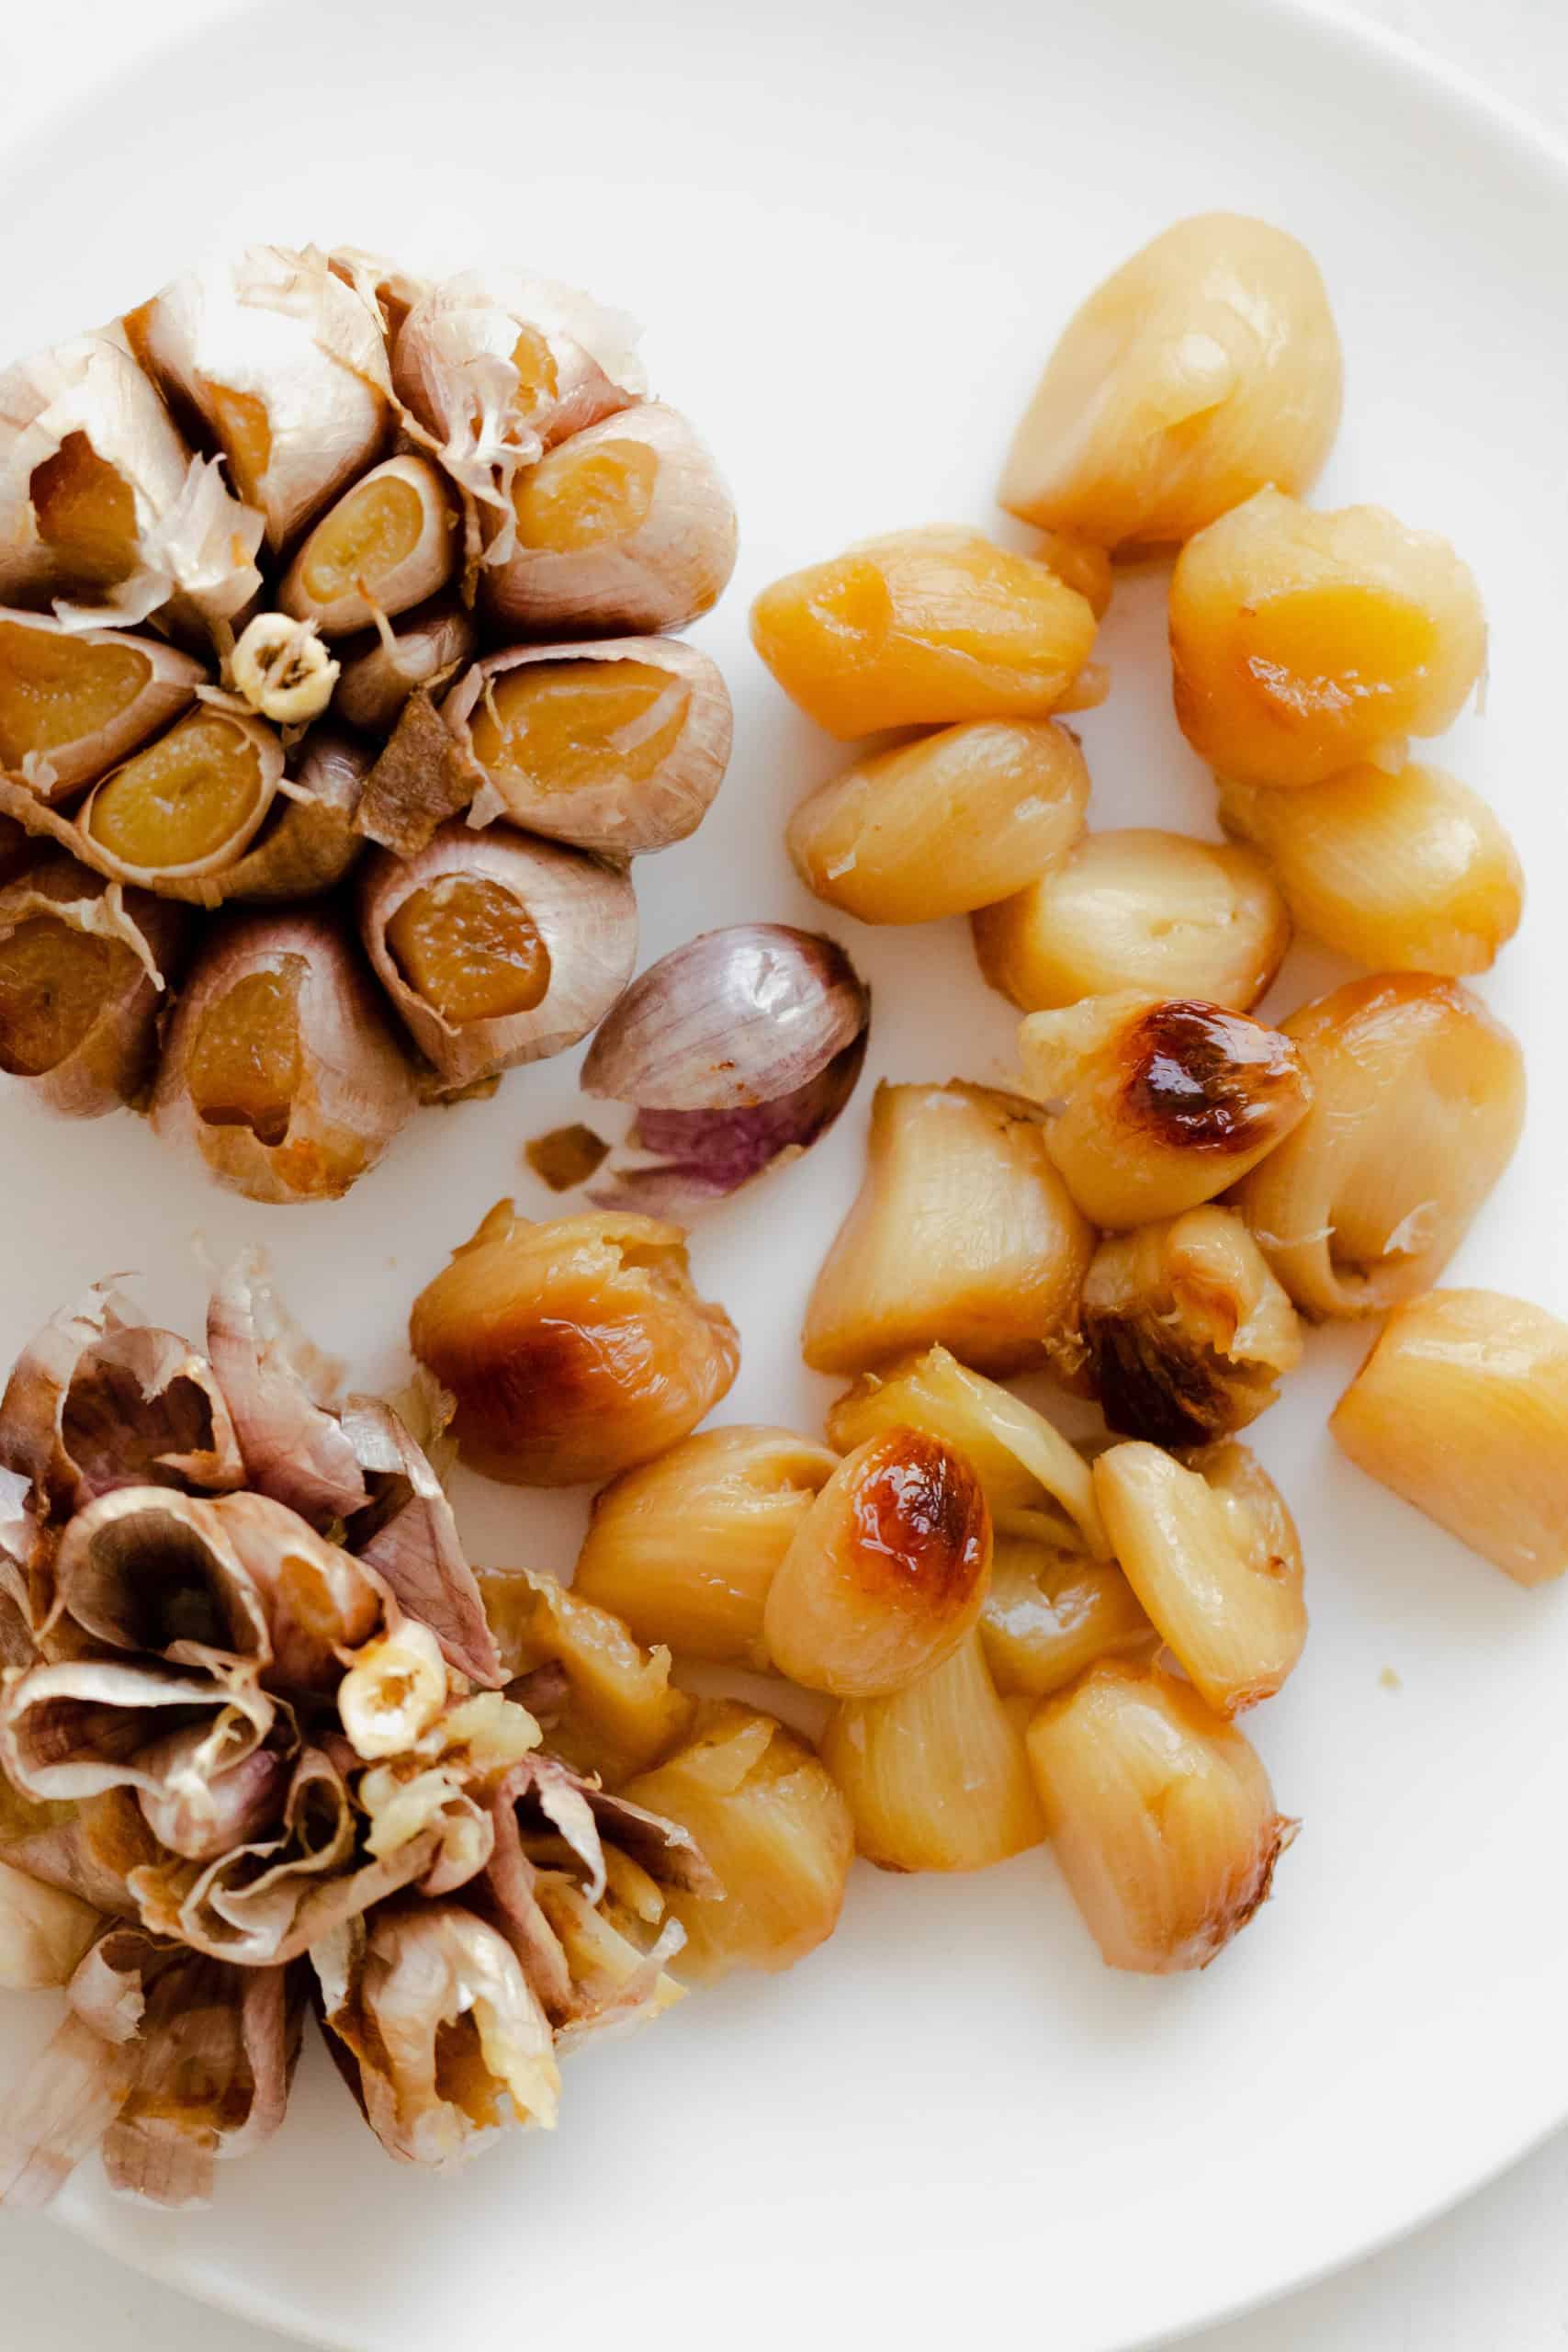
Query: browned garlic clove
387	545
83	973
625	527
307	840
496	949
618	746
426	646
75	701
616	1712
573	1348
189	806
1053	1609
279	1066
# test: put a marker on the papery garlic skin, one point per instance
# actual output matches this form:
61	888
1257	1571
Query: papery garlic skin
427	647
80	1025
1462	1407
75	701
43	1932
1418	1101
1160	1815
405	556
1205	367
1053	1610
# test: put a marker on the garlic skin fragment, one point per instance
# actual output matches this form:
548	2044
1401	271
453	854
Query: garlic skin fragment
1138	909
1156	1106
1186	1330
1403	869
424	521
626	526
44	1932
1212	1552
685	1548
1053	1610
963	1234
769	1822
282	669
580	915
1160	1815
1462	1407
84	968
574	1348
1418	1101
935	1776
133	686
427	645
941	826
886	1573
283	364
1207	365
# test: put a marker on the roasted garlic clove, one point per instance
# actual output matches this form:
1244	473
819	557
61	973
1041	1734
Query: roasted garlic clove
307	842
1302	642
186	806
573	1348
1186	1330
886	1573
617	746
935	1776
1212	1552
1023	1463
1463	1409
279	1066
1160	1815
1155	1106
945	825
283	364
772	1825
1078	564
394	1692
424	649
625	527
1419	1098
73	702
1403	869
1205	367
1052	1611
922	627
496	949
84	974
685	1548
963	1233
616	1713
1138	910
387	545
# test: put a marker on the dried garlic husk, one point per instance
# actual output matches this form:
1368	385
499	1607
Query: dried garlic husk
617	1713
1052	1611
935	1776
685	1548
774	1827
101	504
496	949
625	527
283	363
307	841
424	649
73	1729
84	974
1463	1409
75	701
386	544
963	1233
618	745
280	1065
43	1932
384	285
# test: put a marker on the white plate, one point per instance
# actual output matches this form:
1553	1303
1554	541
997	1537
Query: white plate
855	231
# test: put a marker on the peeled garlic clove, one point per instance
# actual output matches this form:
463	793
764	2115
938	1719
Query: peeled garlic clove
83	973
1052	1611
496	949
279	1066
935	1776
424	649
1463	1409
685	1548
618	1712
186	806
309	840
1418	1100
102	502
1160	1815
1205	367
963	1234
574	1348
284	365
1187	1331
625	527
1154	1107
950	822
618	746
388	544
886	1573
73	702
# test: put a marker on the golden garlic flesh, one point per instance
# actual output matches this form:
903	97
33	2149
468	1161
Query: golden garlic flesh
1052	1611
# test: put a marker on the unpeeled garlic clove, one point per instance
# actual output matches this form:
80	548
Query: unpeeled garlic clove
74	701
496	949
84	974
425	648
386	544
307	840
618	746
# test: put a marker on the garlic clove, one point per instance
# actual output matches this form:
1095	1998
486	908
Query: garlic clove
387	545
1053	1610
84	974
281	669
73	702
617	1713
427	645
307	840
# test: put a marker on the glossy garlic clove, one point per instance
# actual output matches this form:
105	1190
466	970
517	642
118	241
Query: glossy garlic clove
74	702
84	970
616	1713
189	806
1053	1610
425	648
387	545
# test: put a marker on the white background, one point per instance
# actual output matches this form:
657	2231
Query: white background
1493	2277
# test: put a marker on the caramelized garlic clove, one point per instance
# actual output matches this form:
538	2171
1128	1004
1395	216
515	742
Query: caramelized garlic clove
1419	1099
387	545
1462	1407
1138	909
425	648
307	840
75	702
618	1713
963	1234
187	806
1156	1106
84	974
1053	1609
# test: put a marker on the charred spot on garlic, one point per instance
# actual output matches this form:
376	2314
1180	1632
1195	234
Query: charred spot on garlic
282	669
1205	1079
